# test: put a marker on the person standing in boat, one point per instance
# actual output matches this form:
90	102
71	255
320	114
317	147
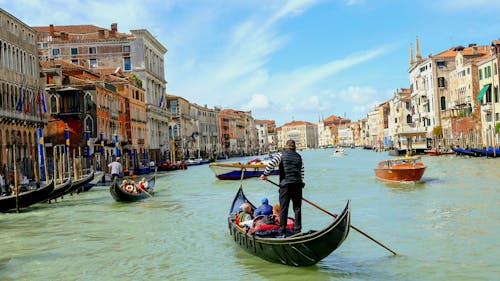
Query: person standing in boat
115	168
291	183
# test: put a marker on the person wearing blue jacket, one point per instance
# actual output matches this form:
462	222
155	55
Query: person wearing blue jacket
264	209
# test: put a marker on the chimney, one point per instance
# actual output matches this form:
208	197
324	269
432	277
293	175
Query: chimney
101	33
114	27
51	30
474	50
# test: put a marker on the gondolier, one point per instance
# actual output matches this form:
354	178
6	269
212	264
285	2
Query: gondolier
115	168
291	170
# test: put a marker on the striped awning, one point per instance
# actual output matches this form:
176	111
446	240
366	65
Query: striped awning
483	90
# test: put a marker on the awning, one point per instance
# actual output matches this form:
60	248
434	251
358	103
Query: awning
483	90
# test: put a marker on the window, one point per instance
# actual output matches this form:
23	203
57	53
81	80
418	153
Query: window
92	50
487	72
126	49
480	74
495	92
74	51
126	64
443	103
408	119
93	63
74	62
53	104
441	82
56	52
495	68
441	63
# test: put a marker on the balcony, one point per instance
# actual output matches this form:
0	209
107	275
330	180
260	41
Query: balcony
486	107
20	116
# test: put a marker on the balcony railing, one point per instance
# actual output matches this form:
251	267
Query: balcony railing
19	115
486	107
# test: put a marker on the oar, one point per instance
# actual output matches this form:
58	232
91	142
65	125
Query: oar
334	215
149	194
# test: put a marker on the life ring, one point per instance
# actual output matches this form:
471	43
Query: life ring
129	188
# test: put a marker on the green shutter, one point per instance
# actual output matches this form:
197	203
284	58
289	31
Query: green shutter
483	90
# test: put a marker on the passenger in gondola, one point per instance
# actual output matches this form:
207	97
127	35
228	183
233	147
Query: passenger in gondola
143	185
264	209
245	216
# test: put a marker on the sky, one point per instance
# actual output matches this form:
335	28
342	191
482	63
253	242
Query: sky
284	59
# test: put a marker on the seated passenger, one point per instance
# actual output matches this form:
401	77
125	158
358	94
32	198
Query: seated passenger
245	216
264	209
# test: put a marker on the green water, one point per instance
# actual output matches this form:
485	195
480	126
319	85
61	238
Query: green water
445	228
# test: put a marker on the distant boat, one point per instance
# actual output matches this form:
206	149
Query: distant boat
436	152
339	152
198	161
234	170
465	152
404	169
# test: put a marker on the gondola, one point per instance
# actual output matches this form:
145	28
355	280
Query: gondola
80	183
121	195
303	249
27	198
60	189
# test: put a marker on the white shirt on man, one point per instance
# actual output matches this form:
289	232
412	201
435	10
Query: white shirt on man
115	167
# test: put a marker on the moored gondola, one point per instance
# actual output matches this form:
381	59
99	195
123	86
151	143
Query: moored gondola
303	249
120	194
60	188
80	183
27	198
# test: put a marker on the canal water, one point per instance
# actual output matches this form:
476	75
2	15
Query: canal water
445	228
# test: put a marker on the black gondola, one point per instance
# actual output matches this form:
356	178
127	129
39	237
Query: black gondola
303	249
121	195
80	183
60	189
27	198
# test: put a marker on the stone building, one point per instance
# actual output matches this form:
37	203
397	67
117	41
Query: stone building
21	97
305	134
138	52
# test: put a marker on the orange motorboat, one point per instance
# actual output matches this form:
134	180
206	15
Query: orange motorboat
406	169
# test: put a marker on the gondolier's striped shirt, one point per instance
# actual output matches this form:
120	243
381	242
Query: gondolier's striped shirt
275	162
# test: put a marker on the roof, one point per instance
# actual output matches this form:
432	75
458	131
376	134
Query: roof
298	123
472	50
81	31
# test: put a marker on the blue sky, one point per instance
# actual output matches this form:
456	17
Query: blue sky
284	60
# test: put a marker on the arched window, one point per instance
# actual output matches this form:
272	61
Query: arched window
88	102
53	104
89	124
443	103
408	119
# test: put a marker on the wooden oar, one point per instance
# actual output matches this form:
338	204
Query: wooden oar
352	226
149	194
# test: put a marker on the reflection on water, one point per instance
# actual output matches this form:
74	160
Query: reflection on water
445	227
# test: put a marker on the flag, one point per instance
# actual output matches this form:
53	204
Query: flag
20	101
162	101
42	99
28	103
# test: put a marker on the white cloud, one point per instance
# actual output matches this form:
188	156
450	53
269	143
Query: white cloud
258	102
357	94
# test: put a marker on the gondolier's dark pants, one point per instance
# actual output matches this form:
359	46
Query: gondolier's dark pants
291	192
